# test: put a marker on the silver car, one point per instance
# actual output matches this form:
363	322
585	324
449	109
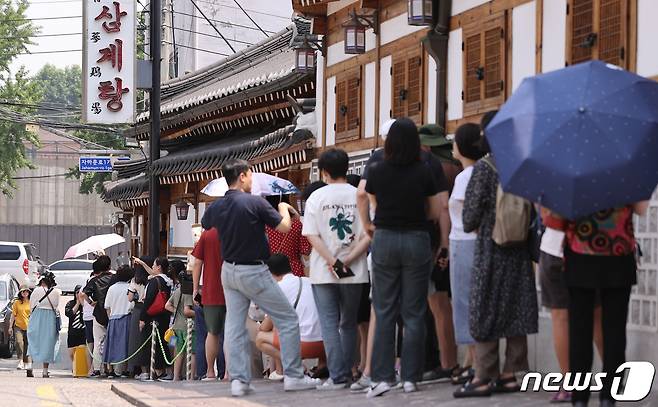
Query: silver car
72	272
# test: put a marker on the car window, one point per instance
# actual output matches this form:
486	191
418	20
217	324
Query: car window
3	291
13	290
9	252
31	252
71	265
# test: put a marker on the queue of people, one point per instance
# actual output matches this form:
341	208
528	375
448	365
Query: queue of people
409	242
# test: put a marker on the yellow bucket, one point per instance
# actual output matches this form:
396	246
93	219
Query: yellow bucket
80	367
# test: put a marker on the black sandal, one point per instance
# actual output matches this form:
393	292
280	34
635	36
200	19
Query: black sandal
472	389
463	376
501	385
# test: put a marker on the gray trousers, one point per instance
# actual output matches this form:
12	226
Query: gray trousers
488	357
243	284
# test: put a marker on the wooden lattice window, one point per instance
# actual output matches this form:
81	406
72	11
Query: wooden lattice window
348	106
597	29
407	85
484	65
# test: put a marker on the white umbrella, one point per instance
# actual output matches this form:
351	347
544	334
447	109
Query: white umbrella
262	185
94	244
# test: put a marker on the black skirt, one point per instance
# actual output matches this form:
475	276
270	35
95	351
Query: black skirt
582	270
76	337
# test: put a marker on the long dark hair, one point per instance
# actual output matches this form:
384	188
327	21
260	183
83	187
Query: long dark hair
164	264
402	146
141	275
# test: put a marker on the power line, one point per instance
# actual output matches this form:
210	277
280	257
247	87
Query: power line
38	18
48	52
219	21
197	49
41	35
40	176
211	24
207	35
249	17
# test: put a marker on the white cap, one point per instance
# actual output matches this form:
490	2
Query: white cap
384	128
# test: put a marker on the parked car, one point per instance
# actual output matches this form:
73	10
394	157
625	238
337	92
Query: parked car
8	292
71	272
21	261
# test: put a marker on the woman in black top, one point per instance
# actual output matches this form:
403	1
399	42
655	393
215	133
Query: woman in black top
404	194
159	281
73	311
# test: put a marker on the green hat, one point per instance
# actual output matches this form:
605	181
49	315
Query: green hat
433	135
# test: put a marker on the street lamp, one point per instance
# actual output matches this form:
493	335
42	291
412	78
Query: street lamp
419	12
355	31
305	52
182	209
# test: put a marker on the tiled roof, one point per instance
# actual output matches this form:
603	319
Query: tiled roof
261	63
124	190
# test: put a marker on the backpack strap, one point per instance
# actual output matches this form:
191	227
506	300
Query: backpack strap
299	293
489	161
43	298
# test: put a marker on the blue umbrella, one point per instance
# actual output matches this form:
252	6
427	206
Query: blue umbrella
579	140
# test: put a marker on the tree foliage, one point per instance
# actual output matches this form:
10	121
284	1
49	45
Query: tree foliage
15	34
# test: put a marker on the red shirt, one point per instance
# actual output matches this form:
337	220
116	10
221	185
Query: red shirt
292	244
209	252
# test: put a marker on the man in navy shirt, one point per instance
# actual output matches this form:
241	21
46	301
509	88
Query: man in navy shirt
240	219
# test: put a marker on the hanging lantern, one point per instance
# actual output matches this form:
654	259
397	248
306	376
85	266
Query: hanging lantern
355	32
182	209
305	59
419	12
119	228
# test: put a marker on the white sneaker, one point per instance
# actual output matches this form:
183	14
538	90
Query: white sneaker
28	366
378	389
239	389
301	383
409	387
361	385
275	377
21	365
330	385
144	377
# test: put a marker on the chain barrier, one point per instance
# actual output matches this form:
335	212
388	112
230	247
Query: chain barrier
188	372
123	361
164	354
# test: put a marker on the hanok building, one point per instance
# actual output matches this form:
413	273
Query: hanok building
253	105
448	62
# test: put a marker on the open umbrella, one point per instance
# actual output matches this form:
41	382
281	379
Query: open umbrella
579	140
262	185
94	244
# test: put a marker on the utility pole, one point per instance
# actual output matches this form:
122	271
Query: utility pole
154	145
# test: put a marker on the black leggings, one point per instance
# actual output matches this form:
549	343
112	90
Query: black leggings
163	325
614	302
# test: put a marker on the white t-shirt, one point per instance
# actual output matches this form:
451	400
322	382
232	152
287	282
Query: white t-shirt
309	321
39	293
331	213
87	311
456	206
117	300
552	242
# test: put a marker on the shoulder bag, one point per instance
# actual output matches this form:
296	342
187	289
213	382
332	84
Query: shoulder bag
158	305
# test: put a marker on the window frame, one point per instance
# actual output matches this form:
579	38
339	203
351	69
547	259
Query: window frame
497	21
344	79
405	57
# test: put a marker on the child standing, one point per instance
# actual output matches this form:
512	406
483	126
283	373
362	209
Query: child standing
20	315
181	305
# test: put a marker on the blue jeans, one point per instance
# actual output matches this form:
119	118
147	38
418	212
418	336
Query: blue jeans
243	284
338	306
200	355
402	263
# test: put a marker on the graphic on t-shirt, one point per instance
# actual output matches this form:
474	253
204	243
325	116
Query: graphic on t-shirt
342	224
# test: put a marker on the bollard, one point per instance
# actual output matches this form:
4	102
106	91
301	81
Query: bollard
154	338
188	345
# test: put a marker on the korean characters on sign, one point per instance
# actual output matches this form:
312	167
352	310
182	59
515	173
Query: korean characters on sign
109	61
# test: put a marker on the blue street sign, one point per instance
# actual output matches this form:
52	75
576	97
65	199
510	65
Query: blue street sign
95	164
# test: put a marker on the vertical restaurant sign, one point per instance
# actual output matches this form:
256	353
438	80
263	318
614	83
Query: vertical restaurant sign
108	74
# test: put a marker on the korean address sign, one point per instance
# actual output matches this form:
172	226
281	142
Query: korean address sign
109	61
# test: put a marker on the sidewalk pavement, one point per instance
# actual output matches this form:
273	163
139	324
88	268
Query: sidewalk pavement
211	394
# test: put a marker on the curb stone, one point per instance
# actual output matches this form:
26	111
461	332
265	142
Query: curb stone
135	397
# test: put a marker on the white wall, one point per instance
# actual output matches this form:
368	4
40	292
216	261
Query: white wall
180	231
319	100
397	27
385	90
331	111
334	6
455	82
336	53
369	105
647	34
459	6
430	109
524	30
554	31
